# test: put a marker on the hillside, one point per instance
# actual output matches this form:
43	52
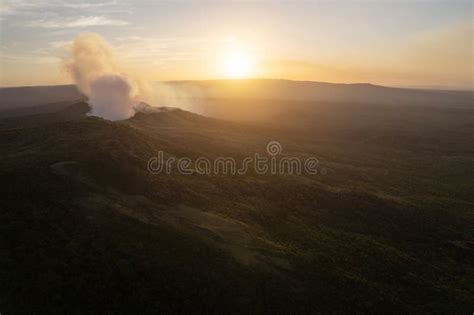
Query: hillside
385	226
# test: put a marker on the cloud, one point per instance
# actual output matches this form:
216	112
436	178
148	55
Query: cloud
152	50
15	7
28	59
86	5
83	21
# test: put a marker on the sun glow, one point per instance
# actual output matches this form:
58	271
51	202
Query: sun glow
237	64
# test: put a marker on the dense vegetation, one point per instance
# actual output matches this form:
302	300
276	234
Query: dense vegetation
387	228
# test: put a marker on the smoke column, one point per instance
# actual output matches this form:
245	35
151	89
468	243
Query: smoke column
95	71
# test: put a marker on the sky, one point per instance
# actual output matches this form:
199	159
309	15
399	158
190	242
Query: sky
395	43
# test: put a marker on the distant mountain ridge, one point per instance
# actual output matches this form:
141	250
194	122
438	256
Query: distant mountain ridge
325	92
20	97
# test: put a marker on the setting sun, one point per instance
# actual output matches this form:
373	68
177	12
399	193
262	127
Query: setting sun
237	64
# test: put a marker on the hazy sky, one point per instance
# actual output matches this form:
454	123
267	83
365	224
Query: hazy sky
400	43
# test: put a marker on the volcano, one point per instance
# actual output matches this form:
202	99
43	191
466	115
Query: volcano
87	227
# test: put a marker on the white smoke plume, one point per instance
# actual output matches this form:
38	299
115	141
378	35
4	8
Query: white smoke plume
94	68
111	97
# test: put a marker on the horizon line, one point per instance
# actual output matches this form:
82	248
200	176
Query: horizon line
428	87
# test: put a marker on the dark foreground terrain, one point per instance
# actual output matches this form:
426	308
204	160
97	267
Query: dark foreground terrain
387	225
